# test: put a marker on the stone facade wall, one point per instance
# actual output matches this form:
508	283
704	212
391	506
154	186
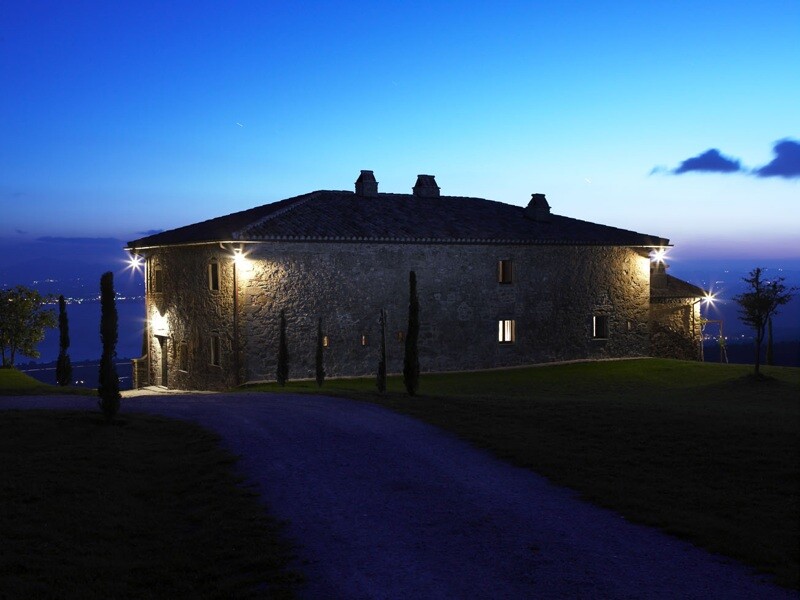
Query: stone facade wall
555	293
184	316
675	328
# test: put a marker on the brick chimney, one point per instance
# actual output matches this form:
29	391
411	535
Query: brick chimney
366	184
538	209
426	187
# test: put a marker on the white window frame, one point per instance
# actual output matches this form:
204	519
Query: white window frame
506	331
213	266
600	327
216	351
508	270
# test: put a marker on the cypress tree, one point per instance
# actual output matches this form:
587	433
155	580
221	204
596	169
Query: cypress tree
108	388
411	356
381	380
320	367
64	365
282	374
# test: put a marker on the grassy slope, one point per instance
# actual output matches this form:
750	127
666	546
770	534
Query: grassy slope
700	450
15	383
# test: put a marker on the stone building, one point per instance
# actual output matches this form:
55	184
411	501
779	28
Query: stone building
498	285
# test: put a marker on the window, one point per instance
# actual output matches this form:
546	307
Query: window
158	279
213	276
401	336
183	356
325	341
599	327
215	350
364	340
505	271
506	333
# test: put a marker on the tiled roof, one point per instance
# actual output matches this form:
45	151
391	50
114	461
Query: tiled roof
345	216
663	286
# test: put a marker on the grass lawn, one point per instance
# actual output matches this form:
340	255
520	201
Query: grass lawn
700	450
15	383
146	507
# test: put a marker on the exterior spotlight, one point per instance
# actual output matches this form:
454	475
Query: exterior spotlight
135	263
658	256
238	255
709	299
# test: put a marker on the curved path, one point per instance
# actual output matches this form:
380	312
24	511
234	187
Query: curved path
384	506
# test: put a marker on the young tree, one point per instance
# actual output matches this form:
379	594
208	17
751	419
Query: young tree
283	354
23	319
759	303
108	388
770	348
411	356
64	365
320	366
381	380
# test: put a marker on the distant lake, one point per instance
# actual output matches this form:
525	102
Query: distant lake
84	332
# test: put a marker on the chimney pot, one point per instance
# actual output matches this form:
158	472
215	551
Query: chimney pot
426	187
538	208
366	184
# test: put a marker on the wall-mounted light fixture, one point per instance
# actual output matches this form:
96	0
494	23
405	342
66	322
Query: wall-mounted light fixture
159	324
658	256
135	263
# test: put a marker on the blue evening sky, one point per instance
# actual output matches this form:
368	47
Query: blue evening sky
121	117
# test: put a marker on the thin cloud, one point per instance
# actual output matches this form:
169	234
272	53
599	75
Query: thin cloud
786	162
21	232
710	161
48	239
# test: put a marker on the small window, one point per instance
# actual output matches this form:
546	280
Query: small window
599	327
506	333
183	356
364	340
401	336
158	279
213	276
325	341
215	358
505	271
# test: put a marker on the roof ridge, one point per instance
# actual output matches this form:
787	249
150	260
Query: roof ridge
298	201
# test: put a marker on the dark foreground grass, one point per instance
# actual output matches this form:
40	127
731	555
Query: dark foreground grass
146	507
700	450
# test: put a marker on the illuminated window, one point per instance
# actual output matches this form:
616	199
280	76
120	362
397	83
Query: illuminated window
183	356
213	276
158	279
364	340
599	327
215	358
325	341
506	333
505	271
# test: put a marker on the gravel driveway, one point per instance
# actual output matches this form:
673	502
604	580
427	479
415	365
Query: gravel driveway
383	506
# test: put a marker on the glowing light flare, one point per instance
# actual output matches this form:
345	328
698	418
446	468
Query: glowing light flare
658	256
135	263
709	299
159	324
243	265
